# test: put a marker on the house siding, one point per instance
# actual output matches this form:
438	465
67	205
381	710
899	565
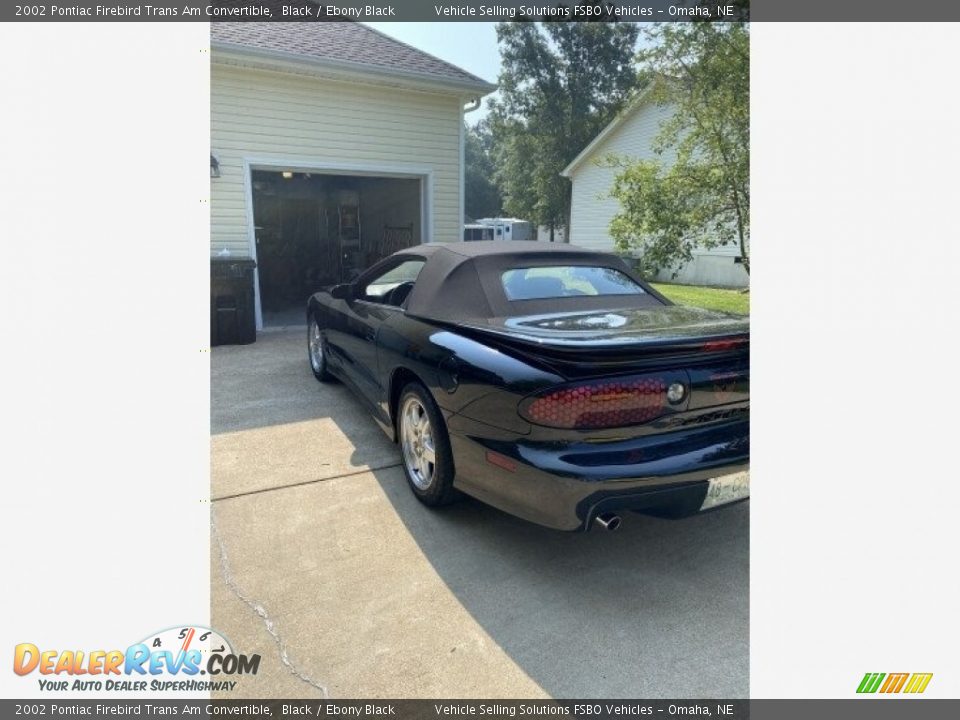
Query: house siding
315	122
592	208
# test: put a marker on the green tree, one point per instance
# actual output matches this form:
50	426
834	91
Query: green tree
560	84
701	198
481	194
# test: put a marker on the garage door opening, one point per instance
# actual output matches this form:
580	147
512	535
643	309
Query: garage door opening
314	229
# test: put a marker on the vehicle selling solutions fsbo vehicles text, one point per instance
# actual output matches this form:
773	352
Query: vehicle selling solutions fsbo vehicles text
580	11
501	11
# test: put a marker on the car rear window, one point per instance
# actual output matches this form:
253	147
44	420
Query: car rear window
539	283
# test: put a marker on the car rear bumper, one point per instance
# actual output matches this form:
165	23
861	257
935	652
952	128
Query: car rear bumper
566	485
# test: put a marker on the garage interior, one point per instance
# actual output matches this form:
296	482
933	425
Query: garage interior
314	229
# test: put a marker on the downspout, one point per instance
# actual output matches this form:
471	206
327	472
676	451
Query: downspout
464	109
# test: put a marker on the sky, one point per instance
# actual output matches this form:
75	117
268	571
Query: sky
469	45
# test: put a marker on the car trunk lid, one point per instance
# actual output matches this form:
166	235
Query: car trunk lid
628	336
620	363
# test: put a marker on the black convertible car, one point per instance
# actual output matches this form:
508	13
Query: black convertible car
546	380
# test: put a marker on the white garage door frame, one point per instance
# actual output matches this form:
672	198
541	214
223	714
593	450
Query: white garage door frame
422	173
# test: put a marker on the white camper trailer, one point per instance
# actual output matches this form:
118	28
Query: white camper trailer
509	228
476	231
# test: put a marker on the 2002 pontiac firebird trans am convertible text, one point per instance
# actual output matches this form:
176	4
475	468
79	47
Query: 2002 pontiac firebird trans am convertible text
546	380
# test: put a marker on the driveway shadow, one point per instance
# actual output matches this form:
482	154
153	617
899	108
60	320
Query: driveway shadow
656	609
273	425
269	383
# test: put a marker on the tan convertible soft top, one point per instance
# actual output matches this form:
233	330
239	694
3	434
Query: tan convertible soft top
461	282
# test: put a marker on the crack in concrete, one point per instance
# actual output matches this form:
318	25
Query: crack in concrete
260	611
372	468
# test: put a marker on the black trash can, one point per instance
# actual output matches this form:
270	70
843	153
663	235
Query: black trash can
233	319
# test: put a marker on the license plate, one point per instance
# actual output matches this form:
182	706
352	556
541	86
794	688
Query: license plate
727	489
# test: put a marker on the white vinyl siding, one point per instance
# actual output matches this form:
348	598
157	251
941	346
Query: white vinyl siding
592	208
314	122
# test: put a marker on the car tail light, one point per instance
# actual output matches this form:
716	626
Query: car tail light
724	345
599	403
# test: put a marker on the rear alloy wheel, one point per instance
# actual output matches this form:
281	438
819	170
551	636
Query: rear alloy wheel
425	447
315	350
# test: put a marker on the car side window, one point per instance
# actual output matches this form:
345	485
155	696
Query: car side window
394	286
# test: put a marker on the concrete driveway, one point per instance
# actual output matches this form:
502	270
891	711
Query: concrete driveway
325	564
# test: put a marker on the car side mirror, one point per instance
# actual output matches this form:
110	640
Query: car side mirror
344	291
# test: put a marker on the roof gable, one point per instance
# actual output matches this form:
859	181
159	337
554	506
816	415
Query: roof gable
347	45
642	100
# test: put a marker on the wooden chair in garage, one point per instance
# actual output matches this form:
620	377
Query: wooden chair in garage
395	237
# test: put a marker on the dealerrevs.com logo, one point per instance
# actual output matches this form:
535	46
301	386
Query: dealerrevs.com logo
182	659
910	683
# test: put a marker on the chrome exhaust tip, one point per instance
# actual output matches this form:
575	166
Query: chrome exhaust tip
607	521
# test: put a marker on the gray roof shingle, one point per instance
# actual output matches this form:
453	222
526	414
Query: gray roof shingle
341	42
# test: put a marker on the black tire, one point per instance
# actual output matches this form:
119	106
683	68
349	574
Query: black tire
433	488
317	351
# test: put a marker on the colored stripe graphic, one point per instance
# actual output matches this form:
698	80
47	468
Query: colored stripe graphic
870	682
894	682
918	682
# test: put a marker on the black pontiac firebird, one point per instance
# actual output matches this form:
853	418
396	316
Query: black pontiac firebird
546	380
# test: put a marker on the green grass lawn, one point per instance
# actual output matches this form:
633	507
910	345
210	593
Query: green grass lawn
706	297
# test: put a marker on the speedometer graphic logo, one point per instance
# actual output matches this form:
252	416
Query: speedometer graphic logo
180	641
181	658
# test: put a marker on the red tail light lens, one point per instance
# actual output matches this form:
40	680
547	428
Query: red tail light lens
599	403
724	345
